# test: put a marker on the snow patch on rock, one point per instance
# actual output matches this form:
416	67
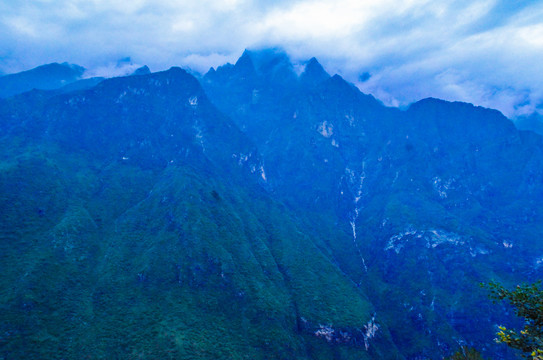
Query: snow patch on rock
326	129
359	181
242	158
441	186
370	330
326	332
193	101
350	119
432	237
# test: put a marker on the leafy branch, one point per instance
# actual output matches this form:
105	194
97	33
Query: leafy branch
527	300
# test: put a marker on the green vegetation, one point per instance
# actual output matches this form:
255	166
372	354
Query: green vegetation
466	353
119	242
111	260
527	300
138	221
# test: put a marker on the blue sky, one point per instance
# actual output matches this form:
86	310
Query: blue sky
488	52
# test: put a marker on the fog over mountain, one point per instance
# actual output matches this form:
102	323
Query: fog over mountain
486	52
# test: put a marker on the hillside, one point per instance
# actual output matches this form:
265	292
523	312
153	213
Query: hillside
254	213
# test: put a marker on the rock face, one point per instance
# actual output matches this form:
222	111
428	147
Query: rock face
434	199
255	213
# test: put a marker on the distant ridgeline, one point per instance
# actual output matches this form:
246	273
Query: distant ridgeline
64	77
254	213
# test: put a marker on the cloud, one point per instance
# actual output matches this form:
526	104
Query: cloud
121	67
483	51
495	68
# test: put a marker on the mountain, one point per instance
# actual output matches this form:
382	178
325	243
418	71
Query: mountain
82	84
64	77
313	73
45	77
88	83
445	193
144	70
255	213
136	222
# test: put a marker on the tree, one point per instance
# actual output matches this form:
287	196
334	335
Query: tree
527	300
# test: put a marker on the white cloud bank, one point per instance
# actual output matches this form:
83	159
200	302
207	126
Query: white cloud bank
487	52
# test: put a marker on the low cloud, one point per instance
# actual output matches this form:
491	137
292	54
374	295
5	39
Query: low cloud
485	51
121	67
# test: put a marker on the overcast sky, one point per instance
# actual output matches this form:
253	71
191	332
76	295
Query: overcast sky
488	52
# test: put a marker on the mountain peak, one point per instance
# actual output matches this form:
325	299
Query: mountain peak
172	82
314	73
436	104
175	70
54	69
314	63
144	70
245	64
246	53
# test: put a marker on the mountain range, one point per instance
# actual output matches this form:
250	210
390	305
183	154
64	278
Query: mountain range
254	213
